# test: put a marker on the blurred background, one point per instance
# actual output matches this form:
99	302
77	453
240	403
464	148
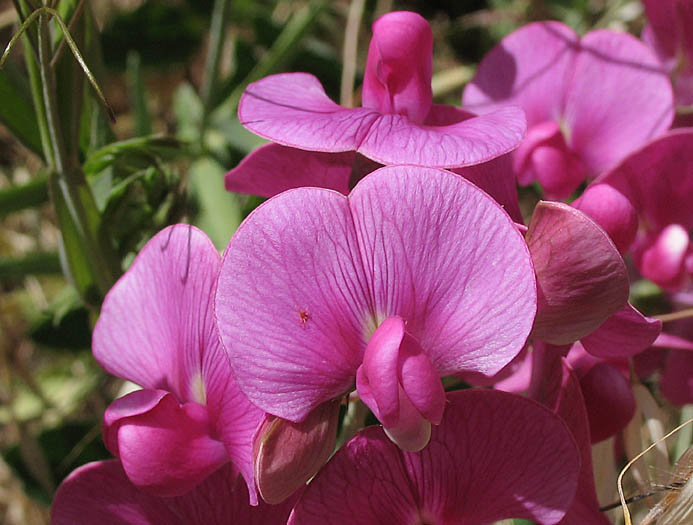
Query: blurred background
177	134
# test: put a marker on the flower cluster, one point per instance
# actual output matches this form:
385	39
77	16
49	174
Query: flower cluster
391	267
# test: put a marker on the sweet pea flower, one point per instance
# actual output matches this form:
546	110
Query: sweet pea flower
398	123
670	34
654	185
589	101
157	330
494	456
416	274
100	493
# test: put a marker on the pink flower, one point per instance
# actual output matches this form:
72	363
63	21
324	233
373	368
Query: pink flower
589	102
398	123
670	34
415	275
100	493
157	329
494	455
654	185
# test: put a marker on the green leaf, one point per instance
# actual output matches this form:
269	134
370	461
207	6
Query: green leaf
17	110
65	324
139	153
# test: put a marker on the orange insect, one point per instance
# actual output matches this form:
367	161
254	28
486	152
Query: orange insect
303	317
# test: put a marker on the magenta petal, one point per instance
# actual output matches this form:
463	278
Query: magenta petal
497	178
100	494
484	463
156	323
664	261
272	169
420	381
286	454
609	400
399	66
612	211
624	334
581	277
292	109
677	377
377	379
557	386
530	68
672	341
449	272
297	337
165	448
457	141
630	103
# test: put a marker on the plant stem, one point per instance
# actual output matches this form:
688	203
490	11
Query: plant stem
217	36
350	52
70	180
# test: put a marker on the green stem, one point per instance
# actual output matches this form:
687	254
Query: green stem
16	198
354	421
31	264
70	180
217	36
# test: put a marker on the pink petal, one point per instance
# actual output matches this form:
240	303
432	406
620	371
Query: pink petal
450	272
292	109
530	68
156	323
658	180
497	178
676	382
664	261
399	66
100	494
624	334
609	208
286	454
377	379
297	337
581	277
484	463
560	390
663	24
672	341
272	169
620	98
166	448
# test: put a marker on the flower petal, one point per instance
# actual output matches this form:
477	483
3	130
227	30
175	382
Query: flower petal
581	277
619	98
156	323
286	454
297	337
399	66
449	272
292	109
484	463
530	68
624	334
272	169
166	448
496	177
677	377
99	493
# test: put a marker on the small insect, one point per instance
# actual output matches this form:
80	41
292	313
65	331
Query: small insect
303	317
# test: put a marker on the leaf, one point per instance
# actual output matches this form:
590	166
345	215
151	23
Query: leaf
17	111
